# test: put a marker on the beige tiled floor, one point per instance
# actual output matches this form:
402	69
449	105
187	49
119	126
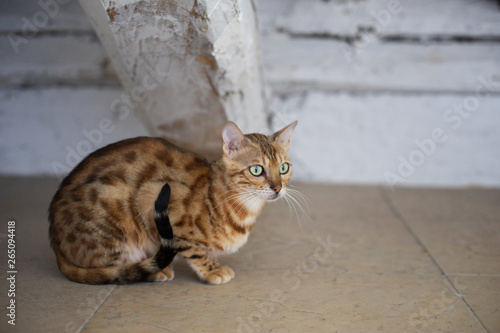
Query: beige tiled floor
367	259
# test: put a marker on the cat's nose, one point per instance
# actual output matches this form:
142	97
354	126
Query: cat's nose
277	189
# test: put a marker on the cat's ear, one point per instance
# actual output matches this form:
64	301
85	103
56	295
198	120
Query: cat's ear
284	135
233	138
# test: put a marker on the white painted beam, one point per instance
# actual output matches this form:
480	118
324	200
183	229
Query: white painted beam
188	65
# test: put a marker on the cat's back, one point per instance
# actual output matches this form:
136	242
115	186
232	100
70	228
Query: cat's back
119	169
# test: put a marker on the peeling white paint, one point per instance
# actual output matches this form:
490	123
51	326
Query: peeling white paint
209	63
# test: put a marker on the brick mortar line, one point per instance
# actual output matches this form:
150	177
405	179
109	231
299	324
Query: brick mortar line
52	33
285	89
394	38
99	83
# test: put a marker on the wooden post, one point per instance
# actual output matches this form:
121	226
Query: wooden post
187	66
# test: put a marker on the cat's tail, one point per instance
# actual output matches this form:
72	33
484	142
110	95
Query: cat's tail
136	272
117	274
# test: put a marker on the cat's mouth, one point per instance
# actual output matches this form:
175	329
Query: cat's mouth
270	195
273	196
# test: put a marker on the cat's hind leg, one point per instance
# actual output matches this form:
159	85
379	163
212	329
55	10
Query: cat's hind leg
166	274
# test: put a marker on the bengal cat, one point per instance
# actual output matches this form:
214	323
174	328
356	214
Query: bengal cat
127	209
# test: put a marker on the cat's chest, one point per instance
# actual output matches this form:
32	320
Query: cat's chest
233	244
236	236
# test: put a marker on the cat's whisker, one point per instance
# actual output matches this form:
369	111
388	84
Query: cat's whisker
226	186
242	205
303	213
300	195
240	199
237	195
296	199
248	201
256	202
302	210
233	206
238	205
233	196
226	191
293	205
301	198
291	209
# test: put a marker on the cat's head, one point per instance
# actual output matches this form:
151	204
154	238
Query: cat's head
257	163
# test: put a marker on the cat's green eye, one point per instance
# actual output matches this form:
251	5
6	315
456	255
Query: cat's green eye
284	168
256	170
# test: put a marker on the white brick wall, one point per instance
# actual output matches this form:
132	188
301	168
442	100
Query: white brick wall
368	93
394	139
371	81
49	130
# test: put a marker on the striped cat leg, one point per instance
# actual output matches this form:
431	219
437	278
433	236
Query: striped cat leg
206	267
166	233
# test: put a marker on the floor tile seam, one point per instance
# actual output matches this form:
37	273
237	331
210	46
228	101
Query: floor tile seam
473	275
326	271
387	200
397	214
96	309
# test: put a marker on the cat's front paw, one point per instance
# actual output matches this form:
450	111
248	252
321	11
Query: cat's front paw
219	275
